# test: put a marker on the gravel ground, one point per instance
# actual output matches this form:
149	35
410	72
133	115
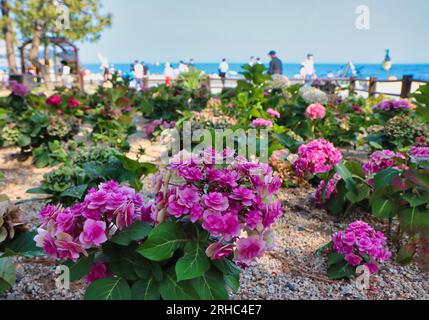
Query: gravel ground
292	271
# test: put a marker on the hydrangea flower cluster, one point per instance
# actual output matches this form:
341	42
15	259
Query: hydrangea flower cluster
393	105
156	124
273	113
328	188
72	102
318	156
262	123
360	243
381	160
231	198
18	89
66	233
54	101
315	111
419	154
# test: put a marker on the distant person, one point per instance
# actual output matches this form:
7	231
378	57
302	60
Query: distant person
276	65
310	71
301	74
258	60
145	69
223	70
138	75
252	61
191	63
168	74
183	68
66	71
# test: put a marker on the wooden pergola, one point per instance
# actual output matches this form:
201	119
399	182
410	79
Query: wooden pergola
66	48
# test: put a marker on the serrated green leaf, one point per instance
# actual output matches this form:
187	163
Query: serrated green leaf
108	289
137	231
146	289
193	264
170	289
163	241
210	286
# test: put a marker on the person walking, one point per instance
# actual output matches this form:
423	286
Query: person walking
168	74
276	65
138	75
309	70
223	70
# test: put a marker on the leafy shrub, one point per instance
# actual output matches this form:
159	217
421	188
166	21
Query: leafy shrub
168	248
86	169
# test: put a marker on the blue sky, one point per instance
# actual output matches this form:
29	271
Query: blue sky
208	30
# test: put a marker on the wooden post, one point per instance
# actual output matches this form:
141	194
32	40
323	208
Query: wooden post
372	86
407	81
352	86
146	82
208	83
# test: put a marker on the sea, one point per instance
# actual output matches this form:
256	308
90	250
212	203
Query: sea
418	71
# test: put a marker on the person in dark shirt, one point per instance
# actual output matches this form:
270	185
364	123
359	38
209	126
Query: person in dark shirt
276	65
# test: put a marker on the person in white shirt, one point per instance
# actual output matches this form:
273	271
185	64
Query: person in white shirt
138	75
223	70
252	61
309	70
66	75
183	68
168	74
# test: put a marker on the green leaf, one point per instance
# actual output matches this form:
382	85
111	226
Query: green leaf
384	178
383	208
414	218
335	258
232	281
137	231
405	255
23	140
210	286
23	245
170	289
416	200
359	193
227	267
80	268
36	191
75	192
163	241
346	175
340	270
193	264
146	289
108	289
7	274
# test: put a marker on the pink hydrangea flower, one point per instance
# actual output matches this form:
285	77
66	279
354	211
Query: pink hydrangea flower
381	160
248	249
325	190
273	113
360	240
72	102
419	154
98	271
315	111
94	233
262	123
218	251
54	101
318	156
216	201
18	89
